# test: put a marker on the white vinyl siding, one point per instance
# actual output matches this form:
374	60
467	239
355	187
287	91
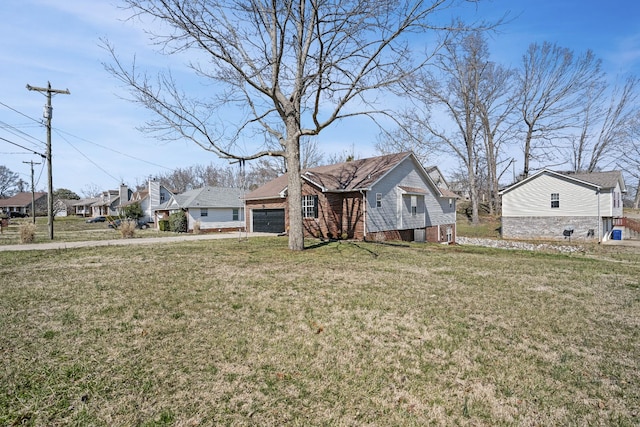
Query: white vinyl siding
216	218
532	198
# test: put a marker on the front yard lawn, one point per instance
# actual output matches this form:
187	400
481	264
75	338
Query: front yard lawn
248	333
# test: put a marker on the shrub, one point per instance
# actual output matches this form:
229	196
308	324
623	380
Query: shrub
134	211
178	222
27	232
127	229
196	227
163	225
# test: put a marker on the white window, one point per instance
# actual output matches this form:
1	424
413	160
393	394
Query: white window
310	206
378	200
236	214
449	234
204	212
414	205
555	200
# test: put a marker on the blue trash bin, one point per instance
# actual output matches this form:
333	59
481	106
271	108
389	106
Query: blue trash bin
616	234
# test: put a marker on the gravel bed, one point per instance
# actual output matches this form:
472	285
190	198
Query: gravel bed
523	246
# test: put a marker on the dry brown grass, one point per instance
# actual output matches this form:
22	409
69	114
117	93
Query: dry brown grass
27	232
229	333
127	229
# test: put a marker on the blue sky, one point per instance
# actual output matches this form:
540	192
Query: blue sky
95	140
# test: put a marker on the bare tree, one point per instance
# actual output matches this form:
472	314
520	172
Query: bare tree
495	105
606	121
293	67
630	161
455	91
90	191
552	84
410	136
8	182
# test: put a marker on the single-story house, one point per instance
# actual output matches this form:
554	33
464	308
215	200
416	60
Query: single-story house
390	197
64	207
150	199
21	203
107	203
561	205
83	207
214	208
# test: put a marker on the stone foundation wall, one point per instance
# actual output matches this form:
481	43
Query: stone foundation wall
585	228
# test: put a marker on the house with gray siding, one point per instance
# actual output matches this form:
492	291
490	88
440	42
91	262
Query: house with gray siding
389	197
559	205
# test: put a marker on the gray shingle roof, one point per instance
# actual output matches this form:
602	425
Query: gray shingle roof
607	179
210	197
348	176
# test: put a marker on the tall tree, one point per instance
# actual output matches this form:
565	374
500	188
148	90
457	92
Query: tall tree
65	193
552	84
630	162
454	91
606	119
495	105
295	68
8	182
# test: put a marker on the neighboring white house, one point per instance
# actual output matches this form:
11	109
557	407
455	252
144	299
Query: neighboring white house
214	208
150	199
563	205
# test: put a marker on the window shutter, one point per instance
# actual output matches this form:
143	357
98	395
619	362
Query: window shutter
315	206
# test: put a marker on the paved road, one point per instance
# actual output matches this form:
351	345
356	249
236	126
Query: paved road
122	242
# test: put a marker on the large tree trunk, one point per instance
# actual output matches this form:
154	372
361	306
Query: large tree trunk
294	192
636	202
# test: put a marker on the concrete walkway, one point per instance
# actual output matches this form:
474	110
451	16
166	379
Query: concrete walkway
124	242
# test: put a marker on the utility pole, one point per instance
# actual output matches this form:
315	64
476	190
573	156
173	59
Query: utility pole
48	112
33	194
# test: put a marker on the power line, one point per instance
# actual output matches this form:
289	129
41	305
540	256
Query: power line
86	157
24	148
17	132
58	131
21	113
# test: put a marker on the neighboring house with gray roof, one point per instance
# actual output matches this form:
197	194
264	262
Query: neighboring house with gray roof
564	205
214	208
387	197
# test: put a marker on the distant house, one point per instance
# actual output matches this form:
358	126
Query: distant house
150	198
106	204
64	207
214	208
21	203
385	197
563	205
83	207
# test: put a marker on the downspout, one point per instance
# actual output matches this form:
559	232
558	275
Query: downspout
599	218
364	215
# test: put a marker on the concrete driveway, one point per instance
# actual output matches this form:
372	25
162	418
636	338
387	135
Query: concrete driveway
124	242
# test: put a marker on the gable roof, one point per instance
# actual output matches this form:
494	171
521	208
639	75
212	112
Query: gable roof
206	197
599	180
355	175
21	199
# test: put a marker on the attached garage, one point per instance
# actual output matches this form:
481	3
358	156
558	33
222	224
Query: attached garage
268	220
